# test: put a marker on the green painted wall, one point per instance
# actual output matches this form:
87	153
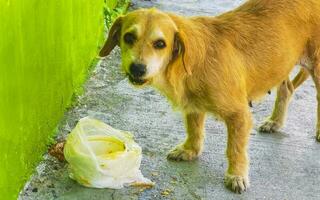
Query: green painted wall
46	47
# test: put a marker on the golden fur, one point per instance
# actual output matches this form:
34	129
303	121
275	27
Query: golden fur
218	64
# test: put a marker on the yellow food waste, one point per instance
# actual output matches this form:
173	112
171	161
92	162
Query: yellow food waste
103	157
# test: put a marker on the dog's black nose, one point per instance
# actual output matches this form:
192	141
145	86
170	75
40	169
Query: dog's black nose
137	70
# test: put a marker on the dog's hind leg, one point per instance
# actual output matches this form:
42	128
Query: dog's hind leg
192	147
315	73
275	121
284	93
302	76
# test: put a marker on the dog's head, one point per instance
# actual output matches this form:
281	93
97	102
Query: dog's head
149	41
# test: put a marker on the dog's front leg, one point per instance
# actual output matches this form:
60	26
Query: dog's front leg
192	146
239	126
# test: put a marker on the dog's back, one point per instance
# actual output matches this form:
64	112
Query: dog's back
269	36
281	37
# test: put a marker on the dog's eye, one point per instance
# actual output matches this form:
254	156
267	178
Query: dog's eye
129	38
159	44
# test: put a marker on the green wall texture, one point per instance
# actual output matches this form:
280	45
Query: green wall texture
46	48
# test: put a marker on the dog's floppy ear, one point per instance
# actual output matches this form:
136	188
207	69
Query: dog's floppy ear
178	46
179	49
113	38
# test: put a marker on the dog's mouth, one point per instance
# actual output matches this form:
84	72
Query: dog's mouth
137	81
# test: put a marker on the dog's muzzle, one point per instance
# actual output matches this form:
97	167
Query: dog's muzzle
137	81
137	71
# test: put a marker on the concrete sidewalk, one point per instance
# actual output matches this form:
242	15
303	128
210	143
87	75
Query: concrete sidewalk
284	165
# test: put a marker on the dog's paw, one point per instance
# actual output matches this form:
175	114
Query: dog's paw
269	126
318	136
179	153
237	184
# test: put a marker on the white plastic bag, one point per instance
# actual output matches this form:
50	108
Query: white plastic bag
103	157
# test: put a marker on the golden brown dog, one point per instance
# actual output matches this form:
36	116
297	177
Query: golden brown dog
218	64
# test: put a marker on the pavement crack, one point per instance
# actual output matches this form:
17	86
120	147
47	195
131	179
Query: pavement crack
191	192
112	194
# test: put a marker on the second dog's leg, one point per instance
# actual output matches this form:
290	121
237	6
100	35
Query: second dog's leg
284	93
239	126
192	147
